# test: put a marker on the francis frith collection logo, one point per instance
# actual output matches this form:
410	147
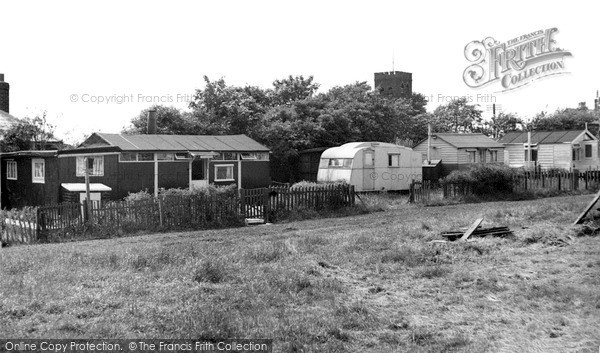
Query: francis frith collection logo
515	63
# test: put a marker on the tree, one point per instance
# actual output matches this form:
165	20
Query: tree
457	116
222	109
169	120
28	134
502	124
566	119
293	89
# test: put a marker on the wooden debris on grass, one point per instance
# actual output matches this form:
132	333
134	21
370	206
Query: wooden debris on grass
587	209
471	229
479	232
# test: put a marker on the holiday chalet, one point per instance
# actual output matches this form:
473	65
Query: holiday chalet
132	163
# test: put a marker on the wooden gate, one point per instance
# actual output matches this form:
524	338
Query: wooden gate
254	204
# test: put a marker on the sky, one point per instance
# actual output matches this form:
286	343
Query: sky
93	66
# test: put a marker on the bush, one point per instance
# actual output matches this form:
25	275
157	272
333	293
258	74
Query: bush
139	196
485	178
306	184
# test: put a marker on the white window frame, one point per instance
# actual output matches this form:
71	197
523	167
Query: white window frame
217	166
393	157
36	178
249	156
11	170
98	169
182	156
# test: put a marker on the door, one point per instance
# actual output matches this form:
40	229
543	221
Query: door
199	172
369	174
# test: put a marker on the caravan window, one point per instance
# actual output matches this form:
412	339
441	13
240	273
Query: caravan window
393	160
340	162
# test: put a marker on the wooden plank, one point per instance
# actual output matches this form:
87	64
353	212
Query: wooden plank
587	209
471	229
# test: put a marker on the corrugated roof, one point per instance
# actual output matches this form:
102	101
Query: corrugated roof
30	153
541	137
7	120
178	142
468	140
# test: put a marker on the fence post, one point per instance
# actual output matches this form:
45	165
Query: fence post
160	212
411	192
242	194
559	181
266	205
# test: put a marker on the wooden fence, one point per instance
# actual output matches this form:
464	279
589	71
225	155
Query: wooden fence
55	222
19	226
427	191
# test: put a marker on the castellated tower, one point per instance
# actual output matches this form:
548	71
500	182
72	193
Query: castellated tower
396	84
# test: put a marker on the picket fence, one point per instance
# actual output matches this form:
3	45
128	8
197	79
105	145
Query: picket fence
427	190
73	220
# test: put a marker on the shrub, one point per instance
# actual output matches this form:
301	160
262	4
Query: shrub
305	184
139	196
485	178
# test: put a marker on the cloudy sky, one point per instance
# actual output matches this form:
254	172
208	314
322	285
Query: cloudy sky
66	56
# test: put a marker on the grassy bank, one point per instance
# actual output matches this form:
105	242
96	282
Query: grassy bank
362	283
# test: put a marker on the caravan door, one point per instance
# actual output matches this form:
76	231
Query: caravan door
369	175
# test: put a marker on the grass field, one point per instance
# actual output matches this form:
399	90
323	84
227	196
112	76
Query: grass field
364	283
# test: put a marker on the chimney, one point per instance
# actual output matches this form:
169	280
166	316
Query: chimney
151	122
4	88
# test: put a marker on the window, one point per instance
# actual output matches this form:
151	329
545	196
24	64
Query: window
534	155
368	159
146	156
128	157
97	170
11	170
471	156
165	156
248	155
588	151
576	154
183	155
393	160
340	162
37	170
493	156
263	156
229	156
224	172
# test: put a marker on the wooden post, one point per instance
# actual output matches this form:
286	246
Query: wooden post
87	187
160	212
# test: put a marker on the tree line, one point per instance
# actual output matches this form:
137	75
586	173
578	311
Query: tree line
292	116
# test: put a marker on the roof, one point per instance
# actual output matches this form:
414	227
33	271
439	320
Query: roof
467	140
50	153
7	120
172	142
349	150
543	137
313	150
80	187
